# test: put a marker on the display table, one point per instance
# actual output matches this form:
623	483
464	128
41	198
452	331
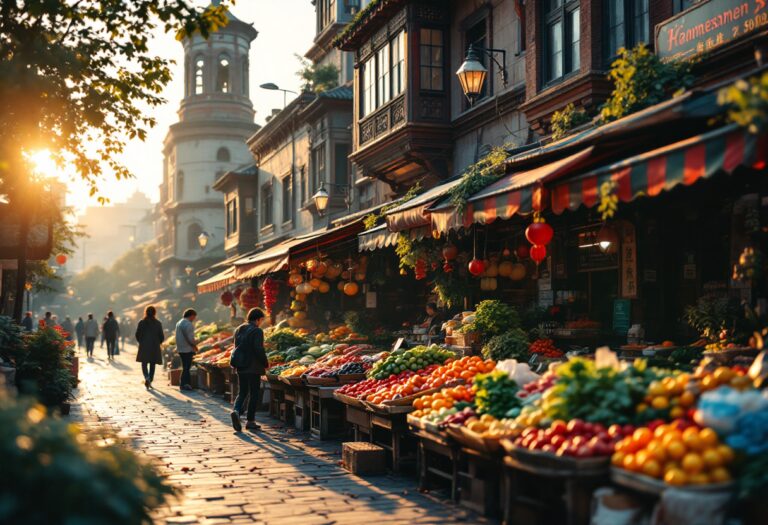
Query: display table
390	431
301	408
327	415
276	397
286	411
360	420
479	480
438	457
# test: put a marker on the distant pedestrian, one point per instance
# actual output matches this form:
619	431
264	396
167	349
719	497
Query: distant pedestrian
91	332
104	320
186	345
48	321
149	334
69	328
56	323
249	337
28	323
109	332
80	332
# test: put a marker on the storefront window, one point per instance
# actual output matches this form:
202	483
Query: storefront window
431	54
562	38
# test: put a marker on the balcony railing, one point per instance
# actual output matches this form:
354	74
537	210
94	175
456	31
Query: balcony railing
382	121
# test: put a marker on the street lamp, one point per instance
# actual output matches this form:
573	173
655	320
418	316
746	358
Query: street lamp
274	87
188	270
472	72
607	239
321	197
202	240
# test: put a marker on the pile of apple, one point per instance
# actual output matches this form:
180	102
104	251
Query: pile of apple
544	383
576	438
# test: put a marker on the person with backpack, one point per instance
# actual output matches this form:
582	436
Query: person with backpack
250	362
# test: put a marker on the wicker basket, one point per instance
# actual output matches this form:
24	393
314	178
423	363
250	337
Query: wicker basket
651	485
548	464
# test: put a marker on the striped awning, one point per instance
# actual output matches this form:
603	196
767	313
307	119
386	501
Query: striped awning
662	169
218	281
415	212
381	237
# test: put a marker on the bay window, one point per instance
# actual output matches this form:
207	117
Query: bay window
431	54
383	91
382	76
398	64
562	38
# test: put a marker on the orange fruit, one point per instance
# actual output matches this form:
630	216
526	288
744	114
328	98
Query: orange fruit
712	458
677	412
671	465
660	431
672	435
656	450
617	460
691	439
700	478
708	437
629	463
656	389
642	457
675	449
726	453
720	475
687	399
642	436
675	477
692	463
652	468
660	403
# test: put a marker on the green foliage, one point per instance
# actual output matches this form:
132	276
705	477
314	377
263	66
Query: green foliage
371	220
43	368
361	322
53	472
509	345
451	289
316	77
65	237
640	79
285	338
747	102
712	314
567	119
11	340
494	317
479	175
356	22
495	394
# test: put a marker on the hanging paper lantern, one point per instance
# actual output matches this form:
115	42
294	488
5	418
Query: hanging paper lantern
226	298
476	267
305	288
450	252
539	233
491	268
538	253
315	283
324	287
270	287
334	270
522	251
340	286
61	259
350	289
320	269
517	273
505	268
237	292
295	278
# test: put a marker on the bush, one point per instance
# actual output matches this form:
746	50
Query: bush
493	317
11	340
55	473
513	344
44	369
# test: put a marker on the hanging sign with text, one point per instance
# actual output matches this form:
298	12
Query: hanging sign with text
707	26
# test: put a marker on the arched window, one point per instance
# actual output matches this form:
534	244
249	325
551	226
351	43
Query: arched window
199	70
222	155
179	185
244	77
193	232
222	75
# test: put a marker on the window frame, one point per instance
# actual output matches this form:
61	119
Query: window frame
223	74
374	77
221	157
431	66
287	198
231	216
630	33
198	74
344	162
179	193
560	14
267	199
481	17
193	243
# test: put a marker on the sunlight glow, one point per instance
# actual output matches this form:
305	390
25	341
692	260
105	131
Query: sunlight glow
43	163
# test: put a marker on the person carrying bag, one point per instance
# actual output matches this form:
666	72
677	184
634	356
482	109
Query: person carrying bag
249	361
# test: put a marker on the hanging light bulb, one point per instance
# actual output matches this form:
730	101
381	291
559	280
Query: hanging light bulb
607	239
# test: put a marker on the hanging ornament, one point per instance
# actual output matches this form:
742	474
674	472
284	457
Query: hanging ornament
320	269
250	298
476	267
539	233
450	252
522	251
61	259
305	288
505	252
505	268
324	287
447	267
351	288
538	253
226	298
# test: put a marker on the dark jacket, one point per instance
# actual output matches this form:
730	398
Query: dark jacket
110	329
149	334
254	341
27	323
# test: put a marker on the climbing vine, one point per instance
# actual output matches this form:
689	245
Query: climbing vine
479	175
747	101
371	220
567	119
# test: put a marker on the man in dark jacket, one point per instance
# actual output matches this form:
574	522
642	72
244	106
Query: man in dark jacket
149	334
110	331
250	337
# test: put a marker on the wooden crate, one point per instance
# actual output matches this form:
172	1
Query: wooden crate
174	376
363	458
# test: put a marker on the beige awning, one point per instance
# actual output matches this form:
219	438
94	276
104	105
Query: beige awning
218	281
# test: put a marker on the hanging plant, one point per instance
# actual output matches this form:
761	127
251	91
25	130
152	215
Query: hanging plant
609	201
747	101
566	119
372	220
450	290
479	175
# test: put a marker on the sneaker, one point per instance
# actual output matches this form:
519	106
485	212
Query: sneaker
236	421
146	384
252	425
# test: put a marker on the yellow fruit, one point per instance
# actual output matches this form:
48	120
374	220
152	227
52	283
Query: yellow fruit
642	407
712	458
720	475
652	468
675	449
672	435
692	463
671	465
642	457
675	477
656	389
642	436
617	460
656	450
708	437
629	463
726	453
660	403
700	478
723	375
691	439
687	399
676	412
708	383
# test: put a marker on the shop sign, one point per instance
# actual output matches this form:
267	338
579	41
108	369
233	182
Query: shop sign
370	300
621	315
628	261
707	26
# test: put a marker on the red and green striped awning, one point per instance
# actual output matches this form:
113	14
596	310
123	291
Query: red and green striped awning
662	169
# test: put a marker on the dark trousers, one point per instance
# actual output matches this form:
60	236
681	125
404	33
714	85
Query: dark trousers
248	386
111	346
186	364
89	342
148	369
79	341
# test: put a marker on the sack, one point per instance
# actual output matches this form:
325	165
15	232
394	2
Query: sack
242	355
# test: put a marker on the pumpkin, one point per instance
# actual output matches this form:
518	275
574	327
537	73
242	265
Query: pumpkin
517	272
491	269
351	288
315	283
505	268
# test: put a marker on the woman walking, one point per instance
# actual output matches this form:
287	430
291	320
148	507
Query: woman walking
249	343
149	334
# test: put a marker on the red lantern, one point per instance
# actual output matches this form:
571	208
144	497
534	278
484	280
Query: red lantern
522	251
237	292
61	259
450	252
226	298
476	267
250	298
538	253
539	233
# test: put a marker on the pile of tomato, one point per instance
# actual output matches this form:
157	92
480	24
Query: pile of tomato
445	398
546	348
576	438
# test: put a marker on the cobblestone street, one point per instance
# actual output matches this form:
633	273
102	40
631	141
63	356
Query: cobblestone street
272	477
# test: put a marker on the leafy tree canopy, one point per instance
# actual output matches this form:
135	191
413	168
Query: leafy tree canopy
317	78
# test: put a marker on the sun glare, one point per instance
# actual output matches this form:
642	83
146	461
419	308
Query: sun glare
43	163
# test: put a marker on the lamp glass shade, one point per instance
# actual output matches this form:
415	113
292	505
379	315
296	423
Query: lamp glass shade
321	200
202	239
608	239
471	75
189	270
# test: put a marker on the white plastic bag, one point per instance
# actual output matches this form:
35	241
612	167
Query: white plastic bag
612	508
521	373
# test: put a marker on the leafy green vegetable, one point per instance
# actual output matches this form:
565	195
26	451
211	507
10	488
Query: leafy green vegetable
495	394
509	345
285	338
493	317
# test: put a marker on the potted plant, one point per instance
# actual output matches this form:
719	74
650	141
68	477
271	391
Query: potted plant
44	369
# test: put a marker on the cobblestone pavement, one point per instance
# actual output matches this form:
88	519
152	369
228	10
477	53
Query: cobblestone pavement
272	477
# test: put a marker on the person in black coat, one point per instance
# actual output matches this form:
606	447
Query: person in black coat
149	334
251	337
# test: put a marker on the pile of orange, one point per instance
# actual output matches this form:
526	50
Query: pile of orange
693	456
721	376
670	393
464	369
445	398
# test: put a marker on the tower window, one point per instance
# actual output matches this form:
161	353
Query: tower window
222	75
193	232
222	155
244	78
199	70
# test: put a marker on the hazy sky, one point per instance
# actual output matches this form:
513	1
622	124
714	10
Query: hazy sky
286	28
